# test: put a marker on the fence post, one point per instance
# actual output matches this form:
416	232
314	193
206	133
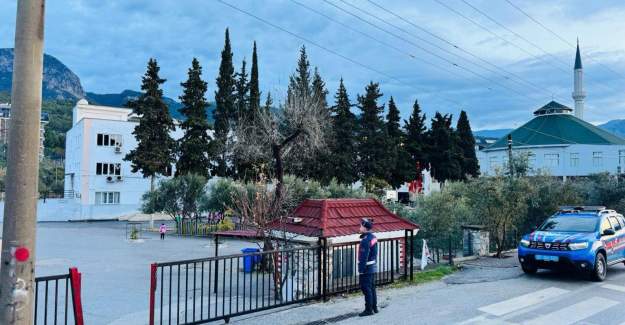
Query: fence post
153	268
216	264
411	254
319	269
75	278
393	261
451	258
324	269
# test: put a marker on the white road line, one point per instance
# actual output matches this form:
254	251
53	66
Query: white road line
483	320
524	301
574	313
614	287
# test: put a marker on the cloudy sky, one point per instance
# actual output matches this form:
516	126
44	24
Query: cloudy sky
486	57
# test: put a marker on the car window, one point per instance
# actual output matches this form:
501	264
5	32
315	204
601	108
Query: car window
605	224
615	224
570	224
621	220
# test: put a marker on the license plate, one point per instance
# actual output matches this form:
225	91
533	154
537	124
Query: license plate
547	258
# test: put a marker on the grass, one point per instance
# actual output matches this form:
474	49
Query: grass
426	276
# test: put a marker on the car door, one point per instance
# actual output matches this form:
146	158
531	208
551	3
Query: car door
621	237
615	251
608	241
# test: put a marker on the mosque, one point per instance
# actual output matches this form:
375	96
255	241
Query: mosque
558	140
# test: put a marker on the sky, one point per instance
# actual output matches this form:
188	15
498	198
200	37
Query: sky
485	57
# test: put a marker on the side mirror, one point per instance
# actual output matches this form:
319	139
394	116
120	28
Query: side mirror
534	228
608	232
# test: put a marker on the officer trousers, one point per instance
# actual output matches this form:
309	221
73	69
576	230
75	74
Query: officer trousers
367	285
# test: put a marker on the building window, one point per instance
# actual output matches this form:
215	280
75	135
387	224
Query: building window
597	158
574	159
106	197
109	140
621	157
552	160
168	171
108	169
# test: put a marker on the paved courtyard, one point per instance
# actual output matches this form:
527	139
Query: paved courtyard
115	270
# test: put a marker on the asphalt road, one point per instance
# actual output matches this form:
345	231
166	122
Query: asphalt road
479	295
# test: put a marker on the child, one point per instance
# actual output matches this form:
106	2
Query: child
162	229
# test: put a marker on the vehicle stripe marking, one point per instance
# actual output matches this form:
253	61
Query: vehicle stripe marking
614	287
524	301
574	313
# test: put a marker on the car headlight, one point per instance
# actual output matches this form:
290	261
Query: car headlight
577	246
525	243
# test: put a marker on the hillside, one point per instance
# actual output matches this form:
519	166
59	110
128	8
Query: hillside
615	126
59	82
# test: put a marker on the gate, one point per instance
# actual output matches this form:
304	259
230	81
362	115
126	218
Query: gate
52	299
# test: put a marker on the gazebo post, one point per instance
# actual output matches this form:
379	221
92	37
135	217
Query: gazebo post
411	254
405	254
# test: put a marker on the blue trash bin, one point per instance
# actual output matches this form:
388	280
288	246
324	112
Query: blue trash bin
250	260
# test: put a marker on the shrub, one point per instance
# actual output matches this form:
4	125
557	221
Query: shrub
226	225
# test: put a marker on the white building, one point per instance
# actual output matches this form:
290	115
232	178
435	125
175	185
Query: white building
558	142
5	121
95	172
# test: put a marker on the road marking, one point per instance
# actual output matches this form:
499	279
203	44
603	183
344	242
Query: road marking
524	301
483	320
614	287
574	313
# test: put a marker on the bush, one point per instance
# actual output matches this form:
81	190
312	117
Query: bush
179	195
219	195
226	225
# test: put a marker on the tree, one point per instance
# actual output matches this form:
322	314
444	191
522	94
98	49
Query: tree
444	154
254	86
194	146
177	196
398	159
416	139
317	165
343	146
154	153
224	110
241	95
299	82
371	134
466	144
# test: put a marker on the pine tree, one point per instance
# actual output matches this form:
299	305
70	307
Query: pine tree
466	144
154	154
299	82
343	147
398	160
268	103
443	153
318	166
194	146
371	150
254	87
241	94
224	109
416	140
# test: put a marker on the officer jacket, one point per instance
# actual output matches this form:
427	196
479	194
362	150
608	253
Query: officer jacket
367	253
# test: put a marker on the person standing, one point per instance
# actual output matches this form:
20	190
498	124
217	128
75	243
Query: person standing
367	256
163	230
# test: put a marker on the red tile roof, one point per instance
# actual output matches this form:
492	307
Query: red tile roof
340	217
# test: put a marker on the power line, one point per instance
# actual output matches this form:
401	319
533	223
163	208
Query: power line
526	40
325	48
536	87
427	50
559	37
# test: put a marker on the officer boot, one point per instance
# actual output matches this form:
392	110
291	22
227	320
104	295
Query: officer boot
375	309
367	312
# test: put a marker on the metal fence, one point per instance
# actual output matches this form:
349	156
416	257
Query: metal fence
219	288
205	227
58	299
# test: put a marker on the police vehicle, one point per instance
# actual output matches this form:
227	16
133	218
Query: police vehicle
587	239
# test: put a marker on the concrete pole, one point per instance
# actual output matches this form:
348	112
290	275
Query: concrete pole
20	211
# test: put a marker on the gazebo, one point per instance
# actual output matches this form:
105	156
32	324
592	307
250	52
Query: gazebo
334	224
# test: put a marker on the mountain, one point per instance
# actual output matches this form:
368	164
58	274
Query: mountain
120	100
615	127
59	82
495	133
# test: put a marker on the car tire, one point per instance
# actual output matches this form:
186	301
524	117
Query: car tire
529	268
601	268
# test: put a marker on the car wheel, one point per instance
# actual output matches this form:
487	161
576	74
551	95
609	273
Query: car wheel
601	268
529	269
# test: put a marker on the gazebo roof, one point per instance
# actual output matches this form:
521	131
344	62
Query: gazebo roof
340	217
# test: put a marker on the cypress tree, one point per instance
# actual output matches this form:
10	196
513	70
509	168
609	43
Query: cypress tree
466	144
194	146
371	149
224	109
318	166
299	82
343	147
398	160
416	140
241	94
154	154
254	100
443	149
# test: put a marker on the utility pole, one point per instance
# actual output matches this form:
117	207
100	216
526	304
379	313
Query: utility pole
17	268
510	162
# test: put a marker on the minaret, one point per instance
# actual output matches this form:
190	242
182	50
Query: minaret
578	85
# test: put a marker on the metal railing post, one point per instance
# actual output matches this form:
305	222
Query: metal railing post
75	278
153	268
216	264
393	261
319	269
451	258
411	254
405	250
324	269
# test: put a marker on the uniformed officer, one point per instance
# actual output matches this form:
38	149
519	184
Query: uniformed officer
367	255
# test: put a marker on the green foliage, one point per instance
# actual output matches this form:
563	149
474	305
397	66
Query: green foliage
416	140
376	186
180	195
343	145
398	165
134	234
154	153
226	225
466	144
225	109
51	176
59	122
254	86
194	146
219	196
371	135
444	154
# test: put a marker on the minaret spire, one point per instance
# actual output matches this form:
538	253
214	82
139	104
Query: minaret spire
578	85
